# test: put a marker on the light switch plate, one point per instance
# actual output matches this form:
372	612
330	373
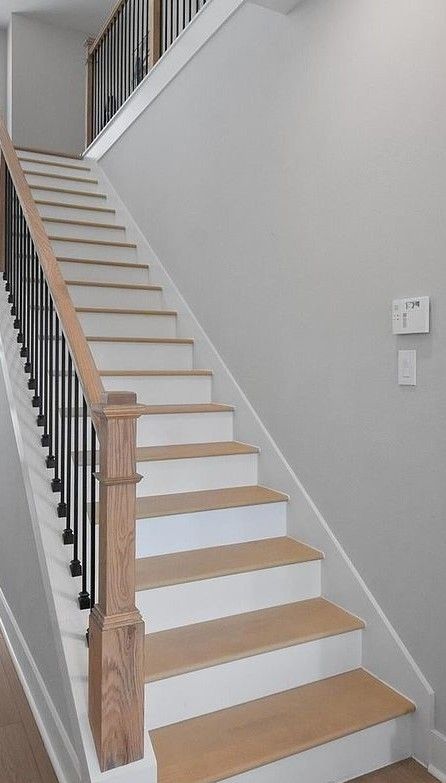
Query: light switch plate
407	368
411	315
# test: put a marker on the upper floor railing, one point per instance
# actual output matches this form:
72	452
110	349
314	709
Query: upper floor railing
89	436
134	37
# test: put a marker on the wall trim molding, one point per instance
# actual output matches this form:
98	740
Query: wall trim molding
437	767
55	739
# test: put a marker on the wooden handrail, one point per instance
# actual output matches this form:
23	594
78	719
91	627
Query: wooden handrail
96	41
80	352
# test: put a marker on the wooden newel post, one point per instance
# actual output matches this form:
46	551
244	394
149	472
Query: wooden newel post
116	634
88	91
155	32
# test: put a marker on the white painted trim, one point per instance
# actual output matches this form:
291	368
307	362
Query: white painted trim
202	27
437	767
278	473
57	743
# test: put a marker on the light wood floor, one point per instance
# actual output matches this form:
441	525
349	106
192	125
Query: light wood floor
23	758
403	772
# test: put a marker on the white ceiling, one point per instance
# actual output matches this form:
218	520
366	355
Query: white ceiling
83	15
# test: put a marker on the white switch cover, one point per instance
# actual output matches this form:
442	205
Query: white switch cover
411	316
407	368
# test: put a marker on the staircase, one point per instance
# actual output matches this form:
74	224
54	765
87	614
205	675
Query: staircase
251	674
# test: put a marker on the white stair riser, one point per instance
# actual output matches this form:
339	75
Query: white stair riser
225	685
70	197
184	532
192	475
341	760
91	251
164	429
209	599
60	182
86	232
48	156
164	390
104	273
150	356
95	296
124	325
57	167
71	213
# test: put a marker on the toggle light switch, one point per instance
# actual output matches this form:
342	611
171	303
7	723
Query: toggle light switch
407	368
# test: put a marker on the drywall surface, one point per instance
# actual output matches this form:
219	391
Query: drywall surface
47	85
21	578
292	179
3	68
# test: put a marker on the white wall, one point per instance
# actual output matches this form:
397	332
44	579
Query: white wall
48	83
3	68
292	178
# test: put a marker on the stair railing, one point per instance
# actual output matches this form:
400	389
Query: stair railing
89	436
129	44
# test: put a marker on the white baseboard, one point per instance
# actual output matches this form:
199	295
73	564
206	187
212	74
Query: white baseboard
56	740
437	767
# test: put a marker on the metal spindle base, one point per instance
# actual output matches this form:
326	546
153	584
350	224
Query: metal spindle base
32	383
16	323
10	301
23	352
56	485
84	600
50	462
67	537
62	510
20	337
75	568
28	369
45	439
40	419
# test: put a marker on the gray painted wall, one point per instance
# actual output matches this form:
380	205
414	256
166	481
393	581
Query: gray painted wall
3	68
21	578
293	180
48	84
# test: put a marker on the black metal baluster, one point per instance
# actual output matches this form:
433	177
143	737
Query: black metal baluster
50	460
29	287
84	596
93	518
62	507
40	364
68	537
45	387
56	484
75	565
20	307
32	383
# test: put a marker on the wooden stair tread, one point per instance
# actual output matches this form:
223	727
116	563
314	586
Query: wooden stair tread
206	407
144	340
124	286
40	151
84	223
193	450
205	500
212	562
40	162
70	191
88	241
199	646
66	177
84	207
123	311
231	741
153	373
100	262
